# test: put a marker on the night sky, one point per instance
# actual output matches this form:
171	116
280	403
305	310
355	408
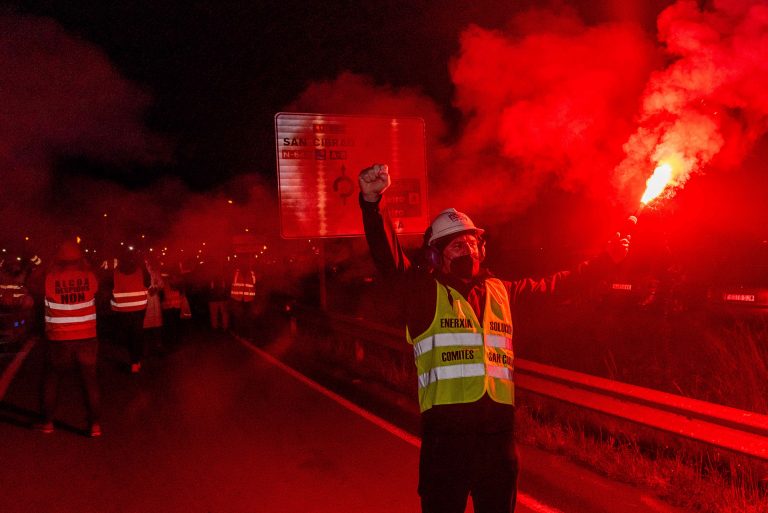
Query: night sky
177	100
218	71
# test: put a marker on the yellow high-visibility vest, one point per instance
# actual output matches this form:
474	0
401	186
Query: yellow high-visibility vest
458	359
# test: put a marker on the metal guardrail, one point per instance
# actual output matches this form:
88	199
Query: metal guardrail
720	426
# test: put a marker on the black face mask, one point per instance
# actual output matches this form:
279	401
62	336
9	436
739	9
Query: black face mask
464	267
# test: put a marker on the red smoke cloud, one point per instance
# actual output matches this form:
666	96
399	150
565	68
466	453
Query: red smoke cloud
709	106
350	93
60	97
551	102
548	102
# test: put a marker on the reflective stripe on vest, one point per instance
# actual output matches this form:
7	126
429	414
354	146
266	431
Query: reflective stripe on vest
70	305
242	290
457	359
129	293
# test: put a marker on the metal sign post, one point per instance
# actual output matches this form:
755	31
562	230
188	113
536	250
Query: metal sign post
323	278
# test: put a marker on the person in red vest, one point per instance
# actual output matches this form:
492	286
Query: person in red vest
129	302
70	329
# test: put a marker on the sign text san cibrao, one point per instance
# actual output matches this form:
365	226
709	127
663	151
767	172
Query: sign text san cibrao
326	135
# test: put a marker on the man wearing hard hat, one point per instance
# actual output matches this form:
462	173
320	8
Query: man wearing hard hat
459	321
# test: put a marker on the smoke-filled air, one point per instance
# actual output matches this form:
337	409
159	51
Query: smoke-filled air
591	109
549	102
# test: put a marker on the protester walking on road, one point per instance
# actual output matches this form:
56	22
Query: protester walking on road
153	317
171	295
129	303
70	329
459	321
218	294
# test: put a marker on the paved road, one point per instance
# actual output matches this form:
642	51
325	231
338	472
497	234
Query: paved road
216	426
211	428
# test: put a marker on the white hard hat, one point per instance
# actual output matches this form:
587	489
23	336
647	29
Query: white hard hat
451	221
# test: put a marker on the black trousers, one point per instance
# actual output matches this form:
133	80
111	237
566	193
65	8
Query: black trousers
454	466
171	332
63	356
130	333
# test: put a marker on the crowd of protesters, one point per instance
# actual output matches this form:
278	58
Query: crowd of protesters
132	300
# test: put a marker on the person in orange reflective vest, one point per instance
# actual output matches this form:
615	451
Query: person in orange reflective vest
70	329
458	319
130	282
242	295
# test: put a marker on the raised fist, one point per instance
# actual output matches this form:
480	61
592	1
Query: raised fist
374	181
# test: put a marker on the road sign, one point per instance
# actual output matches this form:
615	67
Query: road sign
319	157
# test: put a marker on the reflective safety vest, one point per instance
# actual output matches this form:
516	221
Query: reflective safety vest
70	305
243	290
129	293
458	359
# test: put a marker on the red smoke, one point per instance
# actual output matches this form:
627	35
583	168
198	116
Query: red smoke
350	93
61	97
554	103
548	102
709	106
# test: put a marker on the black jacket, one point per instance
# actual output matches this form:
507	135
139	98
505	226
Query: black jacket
417	288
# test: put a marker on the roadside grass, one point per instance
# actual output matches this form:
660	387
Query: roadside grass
687	478
694	354
728	365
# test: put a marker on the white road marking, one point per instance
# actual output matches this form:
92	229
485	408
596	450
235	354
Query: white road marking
522	498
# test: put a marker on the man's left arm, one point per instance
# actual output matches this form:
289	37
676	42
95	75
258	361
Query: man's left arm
572	281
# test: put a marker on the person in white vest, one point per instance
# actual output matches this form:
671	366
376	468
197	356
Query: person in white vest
130	282
458	319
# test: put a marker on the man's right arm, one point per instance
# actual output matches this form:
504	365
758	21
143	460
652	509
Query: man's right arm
382	240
